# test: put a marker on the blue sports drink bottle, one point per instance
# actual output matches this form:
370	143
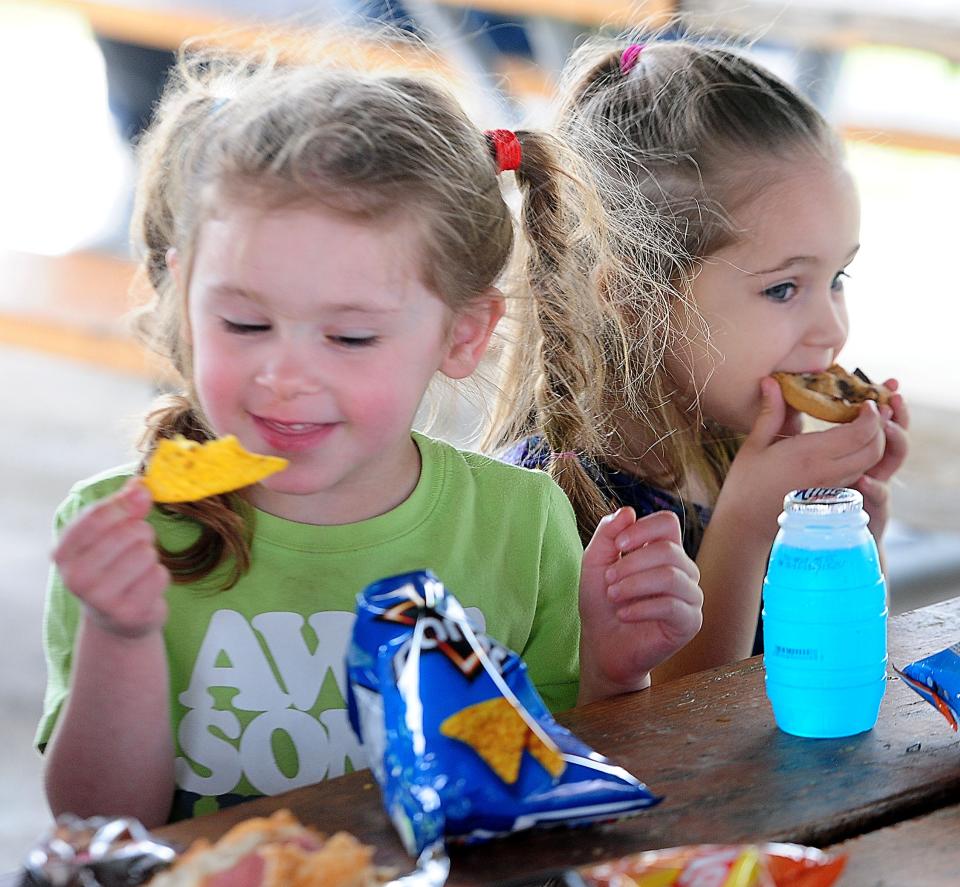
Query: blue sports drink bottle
824	617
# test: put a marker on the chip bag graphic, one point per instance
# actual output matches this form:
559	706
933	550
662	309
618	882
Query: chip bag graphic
937	679
182	470
460	741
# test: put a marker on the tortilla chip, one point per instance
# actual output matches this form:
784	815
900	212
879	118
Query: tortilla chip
495	731
182	470
550	759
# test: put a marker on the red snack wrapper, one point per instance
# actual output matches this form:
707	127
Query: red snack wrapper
720	865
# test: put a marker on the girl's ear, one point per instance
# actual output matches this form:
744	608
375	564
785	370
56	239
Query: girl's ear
470	334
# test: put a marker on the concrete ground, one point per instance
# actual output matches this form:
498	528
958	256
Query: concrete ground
65	421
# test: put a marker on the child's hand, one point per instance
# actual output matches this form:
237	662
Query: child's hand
107	558
873	484
639	601
775	459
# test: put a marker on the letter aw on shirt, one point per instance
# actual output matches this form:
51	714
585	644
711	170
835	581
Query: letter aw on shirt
277	673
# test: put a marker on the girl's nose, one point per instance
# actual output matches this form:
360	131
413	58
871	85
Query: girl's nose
289	376
830	324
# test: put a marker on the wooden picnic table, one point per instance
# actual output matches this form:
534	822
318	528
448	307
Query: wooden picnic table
709	744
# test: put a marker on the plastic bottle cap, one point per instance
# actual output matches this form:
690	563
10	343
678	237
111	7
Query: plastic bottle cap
823	500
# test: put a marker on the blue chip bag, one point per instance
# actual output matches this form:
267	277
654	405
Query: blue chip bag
461	743
937	679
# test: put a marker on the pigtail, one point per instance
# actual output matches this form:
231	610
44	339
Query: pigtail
224	521
606	73
167	158
568	367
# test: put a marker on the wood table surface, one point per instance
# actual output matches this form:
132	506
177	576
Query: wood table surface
921	852
709	745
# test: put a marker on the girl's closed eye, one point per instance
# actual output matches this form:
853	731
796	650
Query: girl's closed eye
781	292
243	329
354	341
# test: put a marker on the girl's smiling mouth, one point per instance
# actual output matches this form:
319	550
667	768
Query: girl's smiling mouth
292	436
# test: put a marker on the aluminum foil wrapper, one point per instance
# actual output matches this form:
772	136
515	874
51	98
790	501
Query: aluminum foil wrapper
433	868
97	852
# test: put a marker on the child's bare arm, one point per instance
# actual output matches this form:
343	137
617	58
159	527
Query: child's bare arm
736	543
639	602
112	751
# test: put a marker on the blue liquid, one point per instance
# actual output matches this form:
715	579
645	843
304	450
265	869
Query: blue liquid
825	638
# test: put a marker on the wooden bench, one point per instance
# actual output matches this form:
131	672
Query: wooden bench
72	306
168	28
815	26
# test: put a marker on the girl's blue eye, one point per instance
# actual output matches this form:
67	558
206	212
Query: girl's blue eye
781	292
353	341
243	329
837	283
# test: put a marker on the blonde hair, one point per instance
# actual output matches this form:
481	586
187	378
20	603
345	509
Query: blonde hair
369	145
677	142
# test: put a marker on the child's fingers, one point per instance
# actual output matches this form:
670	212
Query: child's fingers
99	520
768	425
839	455
132	603
668	580
141	607
662	553
660	525
679	620
84	569
894	452
119	575
602	549
901	415
873	491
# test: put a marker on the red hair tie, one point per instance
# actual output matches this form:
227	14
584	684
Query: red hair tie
506	148
629	57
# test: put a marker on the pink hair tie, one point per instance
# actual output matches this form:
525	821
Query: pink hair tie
506	148
558	457
629	57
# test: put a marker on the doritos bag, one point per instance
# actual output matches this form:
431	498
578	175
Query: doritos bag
937	679
462	745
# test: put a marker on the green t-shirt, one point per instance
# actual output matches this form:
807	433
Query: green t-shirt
257	676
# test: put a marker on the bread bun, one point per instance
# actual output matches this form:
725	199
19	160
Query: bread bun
275	851
833	395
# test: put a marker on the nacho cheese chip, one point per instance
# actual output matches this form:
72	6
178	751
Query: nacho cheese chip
495	730
182	470
550	759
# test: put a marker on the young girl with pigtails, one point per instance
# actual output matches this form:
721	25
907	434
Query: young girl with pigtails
735	218
320	244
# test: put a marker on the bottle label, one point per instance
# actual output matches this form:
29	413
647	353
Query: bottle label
818	494
810	562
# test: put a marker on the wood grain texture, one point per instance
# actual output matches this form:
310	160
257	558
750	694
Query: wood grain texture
922	852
